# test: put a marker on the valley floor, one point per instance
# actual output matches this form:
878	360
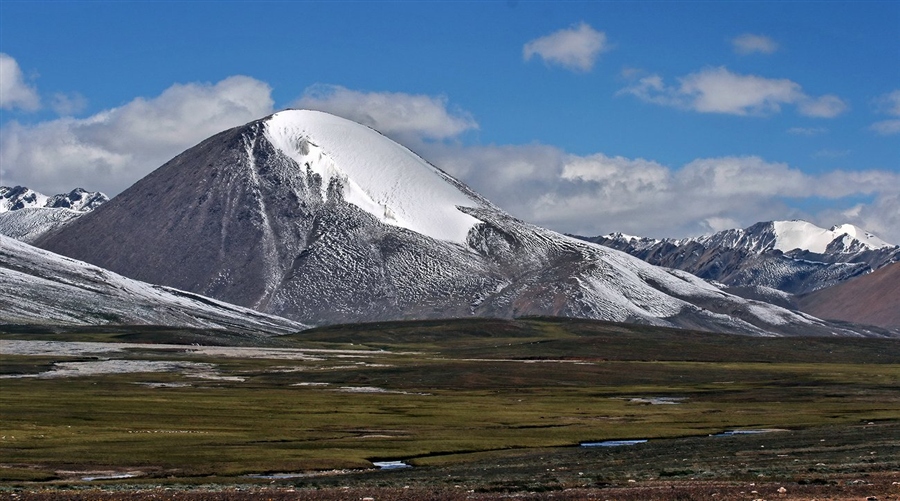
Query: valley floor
481	409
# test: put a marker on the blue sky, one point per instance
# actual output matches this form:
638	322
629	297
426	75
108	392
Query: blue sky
651	118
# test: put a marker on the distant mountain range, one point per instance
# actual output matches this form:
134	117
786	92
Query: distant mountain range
322	220
26	214
830	274
796	257
20	197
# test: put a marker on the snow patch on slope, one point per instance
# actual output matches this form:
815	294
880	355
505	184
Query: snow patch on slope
378	175
28	224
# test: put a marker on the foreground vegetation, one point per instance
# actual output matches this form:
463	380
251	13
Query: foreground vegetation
480	405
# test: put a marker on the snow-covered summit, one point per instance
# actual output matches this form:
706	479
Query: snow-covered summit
854	232
803	235
377	175
20	197
792	236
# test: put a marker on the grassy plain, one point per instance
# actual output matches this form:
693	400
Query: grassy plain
491	405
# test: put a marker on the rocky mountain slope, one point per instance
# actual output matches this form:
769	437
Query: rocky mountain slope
323	220
796	257
37	286
873	299
26	214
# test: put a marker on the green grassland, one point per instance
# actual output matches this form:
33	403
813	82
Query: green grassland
446	395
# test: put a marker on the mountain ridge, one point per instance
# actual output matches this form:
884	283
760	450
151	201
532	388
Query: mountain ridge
26	214
21	197
791	256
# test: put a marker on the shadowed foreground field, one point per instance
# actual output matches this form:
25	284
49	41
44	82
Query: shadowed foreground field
479	408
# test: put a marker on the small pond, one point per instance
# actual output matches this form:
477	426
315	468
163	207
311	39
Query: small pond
391	465
612	443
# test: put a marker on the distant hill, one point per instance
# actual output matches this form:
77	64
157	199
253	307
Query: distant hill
872	299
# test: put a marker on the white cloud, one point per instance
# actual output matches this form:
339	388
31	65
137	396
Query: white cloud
748	44
720	91
68	104
617	173
881	217
14	92
888	104
576	48
112	149
597	194
827	106
717	90
408	118
886	127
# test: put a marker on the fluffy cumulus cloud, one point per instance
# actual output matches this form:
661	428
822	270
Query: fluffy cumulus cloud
112	149
596	194
576	48
888	104
408	118
718	90
753	44
14	91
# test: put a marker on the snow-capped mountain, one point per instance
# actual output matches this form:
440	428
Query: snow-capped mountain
26	214
796	235
319	219
20	197
37	286
791	256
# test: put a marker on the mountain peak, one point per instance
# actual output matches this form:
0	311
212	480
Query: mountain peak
860	234
20	197
803	235
375	174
